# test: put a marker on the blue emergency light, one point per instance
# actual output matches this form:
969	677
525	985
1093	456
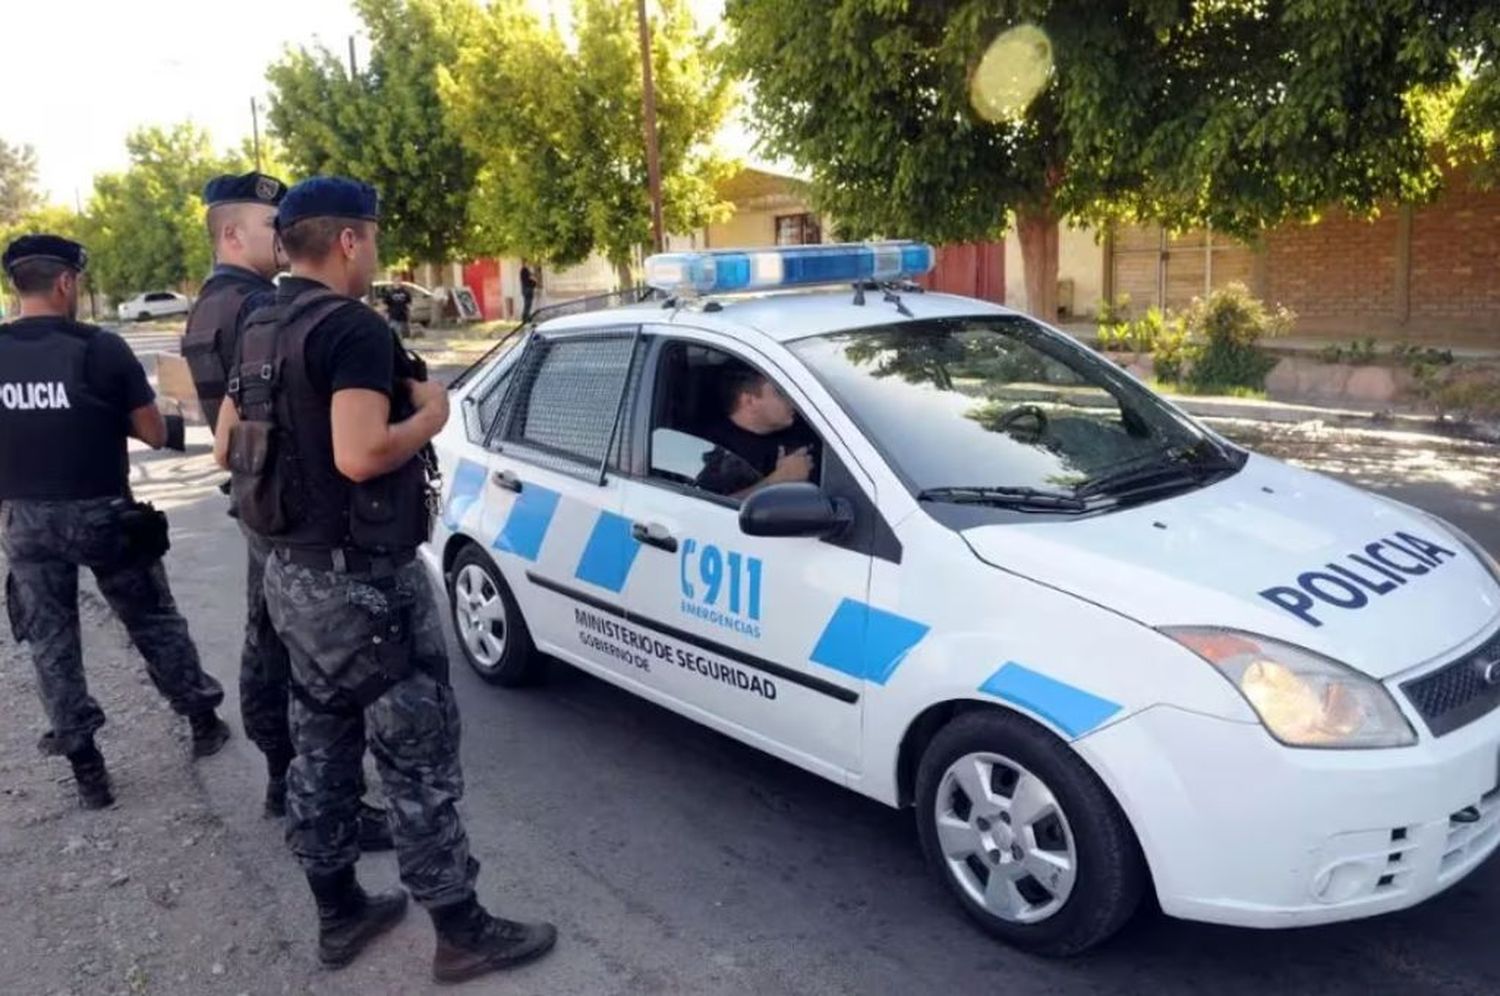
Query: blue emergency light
723	271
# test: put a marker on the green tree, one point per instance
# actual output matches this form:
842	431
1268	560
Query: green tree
385	125
1473	132
1238	113
145	226
560	133
18	178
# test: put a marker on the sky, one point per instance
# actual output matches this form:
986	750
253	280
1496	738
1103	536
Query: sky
79	75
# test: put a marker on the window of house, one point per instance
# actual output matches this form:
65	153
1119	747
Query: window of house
798	230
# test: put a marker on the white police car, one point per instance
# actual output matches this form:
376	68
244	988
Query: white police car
1098	648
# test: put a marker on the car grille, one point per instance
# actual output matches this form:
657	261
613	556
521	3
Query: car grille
1456	694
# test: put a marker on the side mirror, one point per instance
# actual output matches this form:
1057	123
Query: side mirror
794	510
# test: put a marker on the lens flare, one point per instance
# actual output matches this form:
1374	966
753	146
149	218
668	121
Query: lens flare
1014	69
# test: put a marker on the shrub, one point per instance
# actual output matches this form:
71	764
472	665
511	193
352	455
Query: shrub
1225	330
1113	321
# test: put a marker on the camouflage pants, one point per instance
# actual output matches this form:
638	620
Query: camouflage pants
264	669
356	639
46	543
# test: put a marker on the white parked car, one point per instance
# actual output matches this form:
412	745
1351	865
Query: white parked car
154	304
1095	647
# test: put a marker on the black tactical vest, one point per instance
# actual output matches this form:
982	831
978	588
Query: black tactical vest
212	337
59	440
288	487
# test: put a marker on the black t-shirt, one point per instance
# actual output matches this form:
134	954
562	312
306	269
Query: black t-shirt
758	453
113	373
61	439
351	348
398	304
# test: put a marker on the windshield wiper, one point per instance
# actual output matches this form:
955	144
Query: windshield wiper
1022	499
1182	465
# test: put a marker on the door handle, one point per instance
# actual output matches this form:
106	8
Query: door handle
654	534
507	480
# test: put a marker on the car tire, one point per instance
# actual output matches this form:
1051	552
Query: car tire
144	316
994	752
491	631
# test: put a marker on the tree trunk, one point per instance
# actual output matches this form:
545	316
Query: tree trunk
623	275
1037	228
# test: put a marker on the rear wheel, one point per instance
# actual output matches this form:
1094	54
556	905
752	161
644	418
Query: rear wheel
491	631
1025	835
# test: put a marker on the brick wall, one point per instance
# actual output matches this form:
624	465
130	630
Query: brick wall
1455	260
1341	274
1340	267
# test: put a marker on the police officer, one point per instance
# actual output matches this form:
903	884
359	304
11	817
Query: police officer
327	456
70	395
247	255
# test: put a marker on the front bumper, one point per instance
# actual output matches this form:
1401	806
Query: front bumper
1241	830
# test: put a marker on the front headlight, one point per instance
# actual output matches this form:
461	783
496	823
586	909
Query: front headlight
1303	699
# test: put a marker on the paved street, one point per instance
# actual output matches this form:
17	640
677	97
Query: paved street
676	861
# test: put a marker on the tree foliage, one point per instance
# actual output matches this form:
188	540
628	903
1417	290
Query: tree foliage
18	183
1473	133
385	124
559	129
145	226
1237	113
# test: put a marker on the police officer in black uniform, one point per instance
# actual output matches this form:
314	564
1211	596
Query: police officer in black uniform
70	395
325	441
247	255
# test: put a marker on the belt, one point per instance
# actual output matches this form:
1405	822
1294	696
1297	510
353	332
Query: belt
342	561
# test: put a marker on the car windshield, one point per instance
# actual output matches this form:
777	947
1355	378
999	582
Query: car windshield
997	410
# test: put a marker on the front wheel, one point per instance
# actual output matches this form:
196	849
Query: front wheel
1026	835
494	637
144	316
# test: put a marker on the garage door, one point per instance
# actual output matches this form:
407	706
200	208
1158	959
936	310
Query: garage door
1156	268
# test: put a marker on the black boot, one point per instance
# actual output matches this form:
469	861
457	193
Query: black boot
209	732
374	829
471	942
349	918
92	778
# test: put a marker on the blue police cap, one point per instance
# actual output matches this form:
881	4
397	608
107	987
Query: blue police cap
53	247
328	197
249	188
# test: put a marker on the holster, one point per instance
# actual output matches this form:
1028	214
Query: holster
145	532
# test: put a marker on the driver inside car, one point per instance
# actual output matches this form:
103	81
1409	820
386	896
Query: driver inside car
758	440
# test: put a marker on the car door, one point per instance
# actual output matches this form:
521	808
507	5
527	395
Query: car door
550	515
758	633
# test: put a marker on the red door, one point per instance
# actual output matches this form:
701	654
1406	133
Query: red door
973	269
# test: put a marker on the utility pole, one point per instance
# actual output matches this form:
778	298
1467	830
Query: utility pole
255	131
648	98
93	301
353	69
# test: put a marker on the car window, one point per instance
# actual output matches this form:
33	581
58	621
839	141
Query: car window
564	404
157	296
485	404
993	402
720	427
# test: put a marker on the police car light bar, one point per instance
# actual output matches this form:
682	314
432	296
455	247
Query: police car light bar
721	271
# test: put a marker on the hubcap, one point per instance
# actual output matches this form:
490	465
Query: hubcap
480	613
1005	838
